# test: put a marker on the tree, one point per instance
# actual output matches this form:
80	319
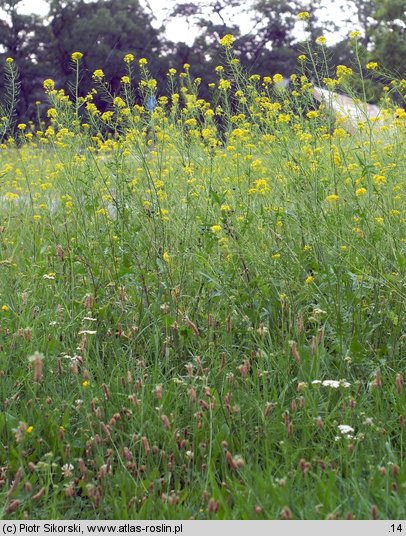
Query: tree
22	37
383	24
104	31
266	49
388	35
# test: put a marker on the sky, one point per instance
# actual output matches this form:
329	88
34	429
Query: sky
178	29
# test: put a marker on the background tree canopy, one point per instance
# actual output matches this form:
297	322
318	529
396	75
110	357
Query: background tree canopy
105	30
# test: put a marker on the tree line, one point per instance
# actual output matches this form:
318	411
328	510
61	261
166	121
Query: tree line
105	30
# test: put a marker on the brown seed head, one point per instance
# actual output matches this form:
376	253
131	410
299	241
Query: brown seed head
286	513
12	507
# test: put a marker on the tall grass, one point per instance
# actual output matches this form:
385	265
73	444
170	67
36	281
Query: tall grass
202	303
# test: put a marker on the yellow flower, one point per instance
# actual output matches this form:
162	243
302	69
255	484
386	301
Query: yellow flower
215	228
277	78
172	72
49	84
304	15
118	101
142	62
76	56
166	257
379	179
11	196
400	113
125	80
227	41
359	232
129	58
330	82
52	113
302	57
85	384
283	118
321	40
9	60
29	430
224	84
355	34
5	308
261	185
22	126
106	116
332	198
312	114
372	65
343	70
92	108
309	279
98	74
276	256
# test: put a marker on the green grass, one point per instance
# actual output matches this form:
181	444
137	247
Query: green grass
185	280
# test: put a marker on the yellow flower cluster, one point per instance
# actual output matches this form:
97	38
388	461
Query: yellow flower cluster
372	66
304	15
76	56
343	71
49	85
129	58
227	41
98	74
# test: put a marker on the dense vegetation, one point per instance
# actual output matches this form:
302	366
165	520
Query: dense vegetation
202	301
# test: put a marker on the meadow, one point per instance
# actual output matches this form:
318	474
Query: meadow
202	301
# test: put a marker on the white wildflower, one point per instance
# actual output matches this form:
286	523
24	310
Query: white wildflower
346	430
334	384
67	470
331	383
